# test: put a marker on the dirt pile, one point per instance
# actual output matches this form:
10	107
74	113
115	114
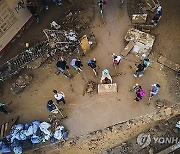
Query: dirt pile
90	88
159	133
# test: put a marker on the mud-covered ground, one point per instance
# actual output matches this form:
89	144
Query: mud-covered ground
88	113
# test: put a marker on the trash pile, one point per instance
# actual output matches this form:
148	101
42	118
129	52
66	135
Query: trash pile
24	136
145	14
143	42
90	88
74	21
21	83
65	41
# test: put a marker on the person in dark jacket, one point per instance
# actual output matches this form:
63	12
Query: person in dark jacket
32	7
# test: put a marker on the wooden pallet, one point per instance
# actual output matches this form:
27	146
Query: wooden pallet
168	63
5	128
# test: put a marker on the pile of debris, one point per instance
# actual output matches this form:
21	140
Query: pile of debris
75	20
142	13
90	88
21	83
14	65
139	42
61	40
24	136
161	103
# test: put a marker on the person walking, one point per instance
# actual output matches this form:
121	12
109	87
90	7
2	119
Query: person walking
146	63
154	91
59	96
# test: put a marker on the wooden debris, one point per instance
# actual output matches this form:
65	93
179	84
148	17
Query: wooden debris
139	18
5	128
128	48
90	88
143	41
168	63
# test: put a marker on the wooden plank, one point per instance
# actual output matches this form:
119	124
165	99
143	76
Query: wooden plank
10	123
5	128
2	130
168	63
128	48
106	88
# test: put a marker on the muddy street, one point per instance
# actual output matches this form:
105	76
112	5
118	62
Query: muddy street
87	113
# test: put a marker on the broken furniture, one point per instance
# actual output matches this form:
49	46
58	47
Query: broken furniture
21	83
151	5
87	43
143	42
107	88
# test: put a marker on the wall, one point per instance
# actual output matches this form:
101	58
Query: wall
13	17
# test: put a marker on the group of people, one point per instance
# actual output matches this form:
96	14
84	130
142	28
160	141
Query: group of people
60	98
140	93
106	77
78	66
141	67
64	68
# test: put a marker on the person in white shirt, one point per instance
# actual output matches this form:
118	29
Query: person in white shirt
59	96
116	59
106	77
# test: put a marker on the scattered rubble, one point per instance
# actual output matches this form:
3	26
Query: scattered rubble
143	41
90	88
21	83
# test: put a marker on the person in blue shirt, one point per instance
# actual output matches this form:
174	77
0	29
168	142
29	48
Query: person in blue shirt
154	90
51	107
92	64
157	16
